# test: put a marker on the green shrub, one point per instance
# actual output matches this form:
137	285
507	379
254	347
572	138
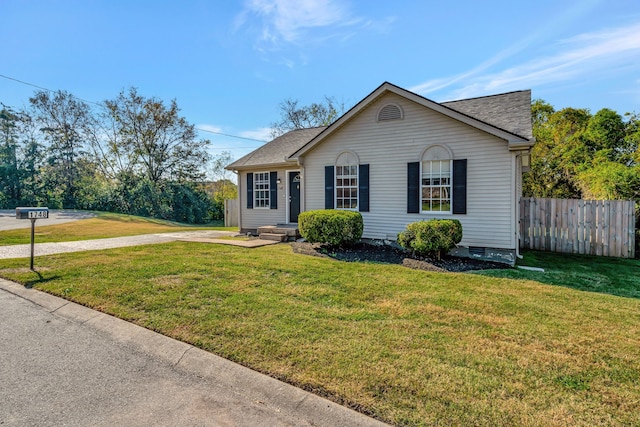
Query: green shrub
431	237
332	227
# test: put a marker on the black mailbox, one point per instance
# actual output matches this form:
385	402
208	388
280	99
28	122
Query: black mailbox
32	213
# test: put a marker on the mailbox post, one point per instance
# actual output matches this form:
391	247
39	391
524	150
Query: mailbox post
33	214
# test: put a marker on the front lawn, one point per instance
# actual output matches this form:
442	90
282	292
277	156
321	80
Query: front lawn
615	276
408	347
105	224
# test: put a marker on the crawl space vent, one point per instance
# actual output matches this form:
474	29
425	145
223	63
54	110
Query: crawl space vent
476	251
390	112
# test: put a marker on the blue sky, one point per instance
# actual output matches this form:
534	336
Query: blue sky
230	63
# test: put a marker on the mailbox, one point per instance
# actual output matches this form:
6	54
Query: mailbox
32	213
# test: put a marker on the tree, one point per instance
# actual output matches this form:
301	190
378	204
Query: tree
221	186
606	132
579	155
20	159
62	118
559	153
10	178
294	117
152	139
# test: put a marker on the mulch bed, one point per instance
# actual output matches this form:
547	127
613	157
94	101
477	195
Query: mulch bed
367	252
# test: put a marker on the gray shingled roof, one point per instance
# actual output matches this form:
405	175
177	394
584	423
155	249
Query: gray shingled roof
508	111
279	149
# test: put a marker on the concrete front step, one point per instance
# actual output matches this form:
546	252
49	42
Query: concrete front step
289	230
273	236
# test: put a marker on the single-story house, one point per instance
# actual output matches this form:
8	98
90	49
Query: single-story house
398	157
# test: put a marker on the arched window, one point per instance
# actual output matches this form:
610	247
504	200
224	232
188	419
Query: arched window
347	180
436	177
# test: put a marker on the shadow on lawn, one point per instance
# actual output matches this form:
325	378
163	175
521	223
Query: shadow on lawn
607	275
41	279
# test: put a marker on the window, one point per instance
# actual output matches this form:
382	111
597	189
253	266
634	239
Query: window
347	187
347	181
436	186
261	190
435	180
437	183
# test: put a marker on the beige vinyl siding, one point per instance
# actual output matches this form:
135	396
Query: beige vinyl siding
254	218
388	146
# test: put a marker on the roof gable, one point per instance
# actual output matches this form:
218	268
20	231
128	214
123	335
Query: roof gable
492	117
507	116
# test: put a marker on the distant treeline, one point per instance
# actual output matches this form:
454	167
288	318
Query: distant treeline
132	155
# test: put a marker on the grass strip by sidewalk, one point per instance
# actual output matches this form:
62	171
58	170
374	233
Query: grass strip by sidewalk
409	347
104	225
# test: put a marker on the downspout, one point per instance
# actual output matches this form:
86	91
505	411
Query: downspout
239	199
516	159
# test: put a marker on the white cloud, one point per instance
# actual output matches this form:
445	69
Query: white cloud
288	19
588	54
262	134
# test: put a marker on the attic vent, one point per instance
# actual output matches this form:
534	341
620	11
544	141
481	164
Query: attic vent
390	112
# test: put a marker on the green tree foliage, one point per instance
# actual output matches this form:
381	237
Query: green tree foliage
62	119
579	155
135	155
10	176
154	139
221	187
20	159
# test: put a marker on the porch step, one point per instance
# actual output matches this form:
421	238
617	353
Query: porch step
272	236
290	231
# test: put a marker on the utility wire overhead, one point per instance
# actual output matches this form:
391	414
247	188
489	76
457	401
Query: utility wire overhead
99	105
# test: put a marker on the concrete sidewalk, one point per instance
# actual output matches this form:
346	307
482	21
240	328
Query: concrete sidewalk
23	251
65	364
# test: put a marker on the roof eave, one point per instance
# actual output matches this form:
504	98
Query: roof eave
261	166
521	145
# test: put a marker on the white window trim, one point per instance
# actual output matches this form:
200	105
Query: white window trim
450	211
255	190
357	186
442	153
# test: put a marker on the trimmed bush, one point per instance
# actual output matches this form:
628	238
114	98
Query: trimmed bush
332	227
432	237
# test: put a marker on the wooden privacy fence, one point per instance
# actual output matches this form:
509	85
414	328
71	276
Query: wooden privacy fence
593	227
231	212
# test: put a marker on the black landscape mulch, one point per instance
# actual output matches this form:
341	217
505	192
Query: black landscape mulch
366	252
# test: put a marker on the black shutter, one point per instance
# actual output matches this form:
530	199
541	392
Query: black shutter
460	186
273	190
413	187
363	188
249	190
328	187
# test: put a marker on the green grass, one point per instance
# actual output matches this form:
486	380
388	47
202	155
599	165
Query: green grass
408	347
615	276
105	224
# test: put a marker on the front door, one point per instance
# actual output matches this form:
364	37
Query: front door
294	196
